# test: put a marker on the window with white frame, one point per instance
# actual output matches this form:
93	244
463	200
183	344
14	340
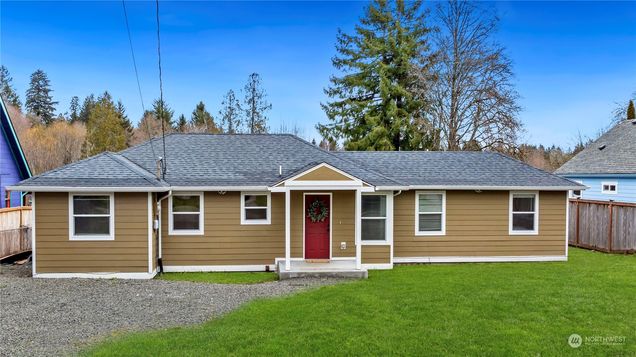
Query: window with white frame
255	208
430	209
576	193
374	218
186	214
91	217
524	213
609	187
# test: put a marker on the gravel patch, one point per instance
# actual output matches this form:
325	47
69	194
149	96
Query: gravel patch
60	316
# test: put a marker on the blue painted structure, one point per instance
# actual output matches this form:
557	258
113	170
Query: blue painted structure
625	187
13	165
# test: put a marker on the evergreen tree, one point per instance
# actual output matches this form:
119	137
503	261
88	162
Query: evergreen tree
104	128
373	106
125	122
87	107
256	105
631	111
162	111
38	97
74	109
182	124
7	91
201	118
230	114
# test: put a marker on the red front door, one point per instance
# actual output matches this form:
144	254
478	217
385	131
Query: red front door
317	233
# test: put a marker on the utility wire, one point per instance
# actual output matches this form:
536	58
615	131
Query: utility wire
163	130
141	98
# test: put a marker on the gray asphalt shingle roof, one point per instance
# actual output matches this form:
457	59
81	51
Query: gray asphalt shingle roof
617	156
196	160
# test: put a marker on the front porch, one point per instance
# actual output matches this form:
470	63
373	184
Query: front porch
341	268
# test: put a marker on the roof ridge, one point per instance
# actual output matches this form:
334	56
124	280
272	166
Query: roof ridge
133	167
360	165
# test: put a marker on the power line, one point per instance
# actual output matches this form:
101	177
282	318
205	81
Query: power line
141	98
163	131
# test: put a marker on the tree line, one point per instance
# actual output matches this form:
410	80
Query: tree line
100	123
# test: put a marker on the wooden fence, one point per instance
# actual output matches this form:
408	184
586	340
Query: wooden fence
604	226
15	217
15	231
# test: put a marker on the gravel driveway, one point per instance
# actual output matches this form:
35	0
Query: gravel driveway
59	316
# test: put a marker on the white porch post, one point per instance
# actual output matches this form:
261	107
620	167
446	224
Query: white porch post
358	229
287	231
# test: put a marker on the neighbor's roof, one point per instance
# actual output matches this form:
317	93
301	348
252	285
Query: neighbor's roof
6	127
217	161
613	153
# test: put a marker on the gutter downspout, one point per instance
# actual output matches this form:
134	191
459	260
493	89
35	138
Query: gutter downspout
159	249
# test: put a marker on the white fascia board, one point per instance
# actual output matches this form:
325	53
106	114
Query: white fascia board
218	188
86	189
482	188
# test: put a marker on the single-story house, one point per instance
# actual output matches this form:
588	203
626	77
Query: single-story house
266	202
13	164
607	166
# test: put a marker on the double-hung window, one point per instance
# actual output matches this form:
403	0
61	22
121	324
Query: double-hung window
186	214
255	208
375	224
430	217
91	217
524	213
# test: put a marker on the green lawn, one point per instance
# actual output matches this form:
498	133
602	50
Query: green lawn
453	309
221	278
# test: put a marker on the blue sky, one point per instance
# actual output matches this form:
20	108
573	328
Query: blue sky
573	60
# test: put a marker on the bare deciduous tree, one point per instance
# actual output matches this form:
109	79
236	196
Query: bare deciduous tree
473	100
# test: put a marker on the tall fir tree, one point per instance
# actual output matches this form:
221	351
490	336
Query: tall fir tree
104	130
231	113
255	105
182	124
125	122
631	111
163	111
87	106
38	97
372	105
7	91
74	109
201	118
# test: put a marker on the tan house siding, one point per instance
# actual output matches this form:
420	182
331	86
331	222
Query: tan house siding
477	225
323	174
342	223
376	254
55	253
225	241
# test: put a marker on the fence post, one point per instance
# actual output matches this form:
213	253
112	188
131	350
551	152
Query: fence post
577	222
610	226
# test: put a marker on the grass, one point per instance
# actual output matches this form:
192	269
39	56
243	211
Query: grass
221	278
453	309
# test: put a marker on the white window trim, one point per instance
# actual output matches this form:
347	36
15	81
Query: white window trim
571	192
388	225
535	231
186	232
441	232
71	218
268	220
614	183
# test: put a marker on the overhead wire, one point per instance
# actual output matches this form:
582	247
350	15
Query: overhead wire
161	106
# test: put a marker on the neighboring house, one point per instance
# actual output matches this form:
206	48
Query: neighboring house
607	166
13	164
257	202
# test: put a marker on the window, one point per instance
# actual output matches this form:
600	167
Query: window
91	217
186	214
374	218
430	208
524	213
609	187
255	208
576	193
